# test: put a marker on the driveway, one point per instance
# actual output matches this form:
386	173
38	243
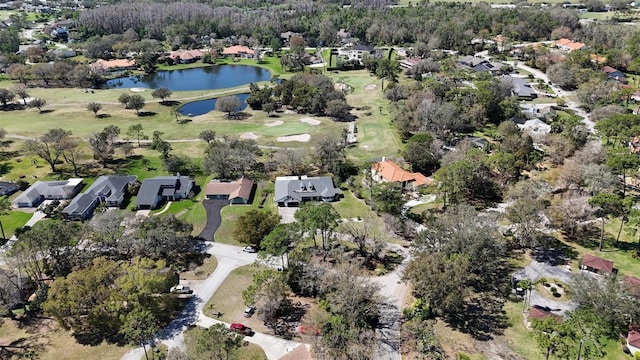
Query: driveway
214	219
229	258
286	214
550	266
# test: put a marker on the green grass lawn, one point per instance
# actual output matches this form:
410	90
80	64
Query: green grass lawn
201	272
12	221
228	298
351	207
231	213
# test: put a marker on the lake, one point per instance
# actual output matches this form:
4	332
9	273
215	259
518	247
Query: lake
203	78
202	107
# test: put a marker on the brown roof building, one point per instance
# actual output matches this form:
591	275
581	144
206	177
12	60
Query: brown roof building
388	171
597	265
238	50
113	65
299	353
539	313
186	56
633	341
237	192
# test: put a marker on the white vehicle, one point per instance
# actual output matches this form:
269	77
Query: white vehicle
249	249
181	289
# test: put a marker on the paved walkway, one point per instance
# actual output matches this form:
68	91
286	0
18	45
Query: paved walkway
537	270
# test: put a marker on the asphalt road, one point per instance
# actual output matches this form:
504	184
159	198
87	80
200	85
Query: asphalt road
214	219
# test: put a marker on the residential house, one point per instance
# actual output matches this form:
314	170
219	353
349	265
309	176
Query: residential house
356	52
302	352
614	74
62	53
388	171
520	88
186	56
597	265
540	313
108	189
59	34
492	67
7	188
237	192
409	63
286	36
471	61
238	51
291	191
343	35
155	191
48	190
569	45
535	126
633	342
113	66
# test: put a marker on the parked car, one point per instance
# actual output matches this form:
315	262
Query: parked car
239	328
181	289
249	310
249	249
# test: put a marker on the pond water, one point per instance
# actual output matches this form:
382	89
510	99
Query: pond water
203	78
201	107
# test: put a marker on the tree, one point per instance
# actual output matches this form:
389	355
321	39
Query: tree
230	156
139	327
252	227
38	103
72	152
269	108
269	293
277	242
6	96
124	99
135	131
162	93
387	197
529	199
161	237
127	150
387	69
228	104
318	217
48	146
423	153
94	107
606	204
569	210
621	161
217	343
135	102
21	91
338	109
208	135
103	149
361	232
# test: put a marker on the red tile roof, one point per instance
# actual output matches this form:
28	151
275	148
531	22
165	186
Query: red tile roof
597	263
113	64
536	312
186	54
299	353
392	172
237	49
633	338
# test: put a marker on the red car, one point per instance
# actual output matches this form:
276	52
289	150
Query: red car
239	328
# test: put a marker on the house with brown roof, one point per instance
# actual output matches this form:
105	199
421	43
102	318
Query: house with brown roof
238	51
540	313
615	74
633	341
388	171
237	192
186	56
569	45
597	265
302	352
115	65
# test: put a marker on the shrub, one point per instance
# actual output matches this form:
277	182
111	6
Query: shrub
462	356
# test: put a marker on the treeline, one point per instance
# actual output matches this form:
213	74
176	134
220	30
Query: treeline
441	25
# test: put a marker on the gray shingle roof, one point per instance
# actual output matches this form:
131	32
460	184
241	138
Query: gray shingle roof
161	185
298	187
111	188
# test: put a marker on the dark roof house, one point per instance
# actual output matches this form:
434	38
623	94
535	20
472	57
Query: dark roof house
48	190
596	265
7	188
493	68
162	188
290	191
614	74
521	88
110	190
471	61
237	192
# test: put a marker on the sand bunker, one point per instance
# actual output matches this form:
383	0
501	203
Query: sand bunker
138	89
310	121
274	123
370	87
248	136
298	138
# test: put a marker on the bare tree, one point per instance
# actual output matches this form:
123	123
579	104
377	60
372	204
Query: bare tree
72	151
48	146
38	103
228	104
21	91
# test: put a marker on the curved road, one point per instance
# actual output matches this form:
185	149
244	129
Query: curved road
229	258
